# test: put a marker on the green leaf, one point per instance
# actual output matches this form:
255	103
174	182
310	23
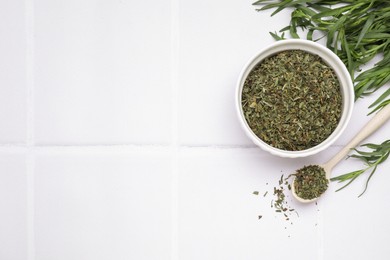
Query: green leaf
347	176
293	30
380	106
319	7
369	178
381	98
376	35
309	35
365	28
351	180
331	12
350	63
276	36
333	29
285	28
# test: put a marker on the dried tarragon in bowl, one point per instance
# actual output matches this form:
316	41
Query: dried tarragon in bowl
292	100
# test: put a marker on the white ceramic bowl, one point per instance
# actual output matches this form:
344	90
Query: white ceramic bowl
328	57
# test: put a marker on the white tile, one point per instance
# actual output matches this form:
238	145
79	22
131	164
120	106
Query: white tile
218	212
102	206
13	205
102	72
217	38
13	72
357	228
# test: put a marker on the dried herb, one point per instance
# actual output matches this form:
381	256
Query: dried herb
292	100
280	203
310	182
377	154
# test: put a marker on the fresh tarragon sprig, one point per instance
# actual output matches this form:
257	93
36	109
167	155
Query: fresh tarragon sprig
377	154
356	30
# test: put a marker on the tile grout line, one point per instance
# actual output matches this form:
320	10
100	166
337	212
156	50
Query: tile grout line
320	234
174	55
135	146
30	160
30	206
30	142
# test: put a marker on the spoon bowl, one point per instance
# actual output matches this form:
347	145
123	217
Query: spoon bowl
294	193
377	121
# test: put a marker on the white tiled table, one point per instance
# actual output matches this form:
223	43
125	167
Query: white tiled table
119	140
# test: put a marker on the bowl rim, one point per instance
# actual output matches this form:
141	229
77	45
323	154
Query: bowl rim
346	87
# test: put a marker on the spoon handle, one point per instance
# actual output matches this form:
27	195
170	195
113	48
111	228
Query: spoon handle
377	121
